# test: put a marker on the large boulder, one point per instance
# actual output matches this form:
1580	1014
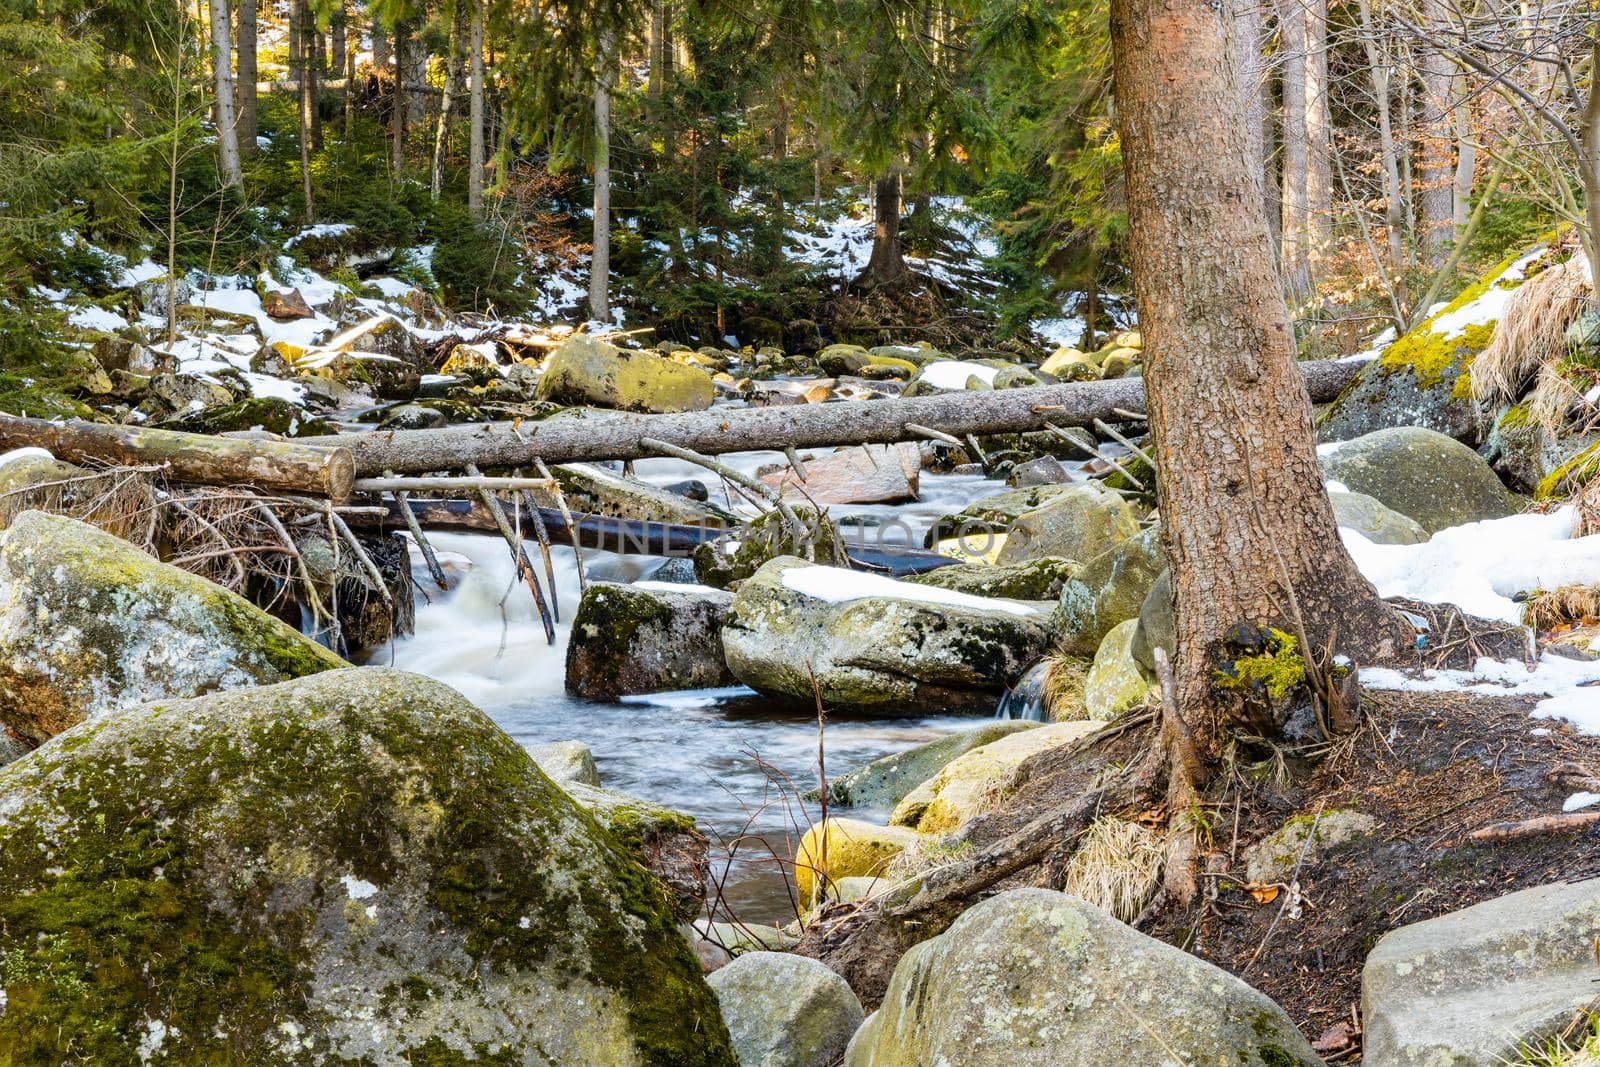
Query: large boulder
846	848
875	644
586	371
645	638
1033	579
1480	985
357	867
1109	589
885	781
1422	474
1116	681
784	1010
968	785
664	840
1036	978
89	623
1077	524
1370	518
1158	628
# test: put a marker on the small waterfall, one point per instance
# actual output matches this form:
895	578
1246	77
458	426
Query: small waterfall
1025	700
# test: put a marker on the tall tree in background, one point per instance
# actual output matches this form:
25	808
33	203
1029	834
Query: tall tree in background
457	10
475	147
1295	232
1436	170
1249	531
600	261
222	81
245	76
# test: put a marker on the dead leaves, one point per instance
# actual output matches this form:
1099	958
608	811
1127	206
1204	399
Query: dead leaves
1263	893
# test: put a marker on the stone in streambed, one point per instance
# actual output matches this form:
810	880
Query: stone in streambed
1036	978
89	623
586	371
1079	524
1422	474
567	761
1116	681
785	1011
1109	589
646	638
1033	579
356	867
884	782
846	848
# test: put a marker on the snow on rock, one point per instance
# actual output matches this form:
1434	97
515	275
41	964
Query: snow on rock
1580	800
1479	567
96	318
19	454
1491	305
321	229
953	373
835	585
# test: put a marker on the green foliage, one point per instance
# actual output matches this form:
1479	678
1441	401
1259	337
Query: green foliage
477	266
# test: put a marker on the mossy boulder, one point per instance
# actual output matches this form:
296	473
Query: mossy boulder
1077	524
1531	459
1116	681
1424	377
1070	365
1033	579
665	841
567	761
89	623
1424	475
27	468
1036	978
586	371
734	557
896	648
1109	589
646	638
885	781
591	489
357	867
784	1010
388	361
971	783
1274	858
846	848
1158	628
1369	517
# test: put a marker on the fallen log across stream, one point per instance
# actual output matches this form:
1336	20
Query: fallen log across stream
722	430
293	466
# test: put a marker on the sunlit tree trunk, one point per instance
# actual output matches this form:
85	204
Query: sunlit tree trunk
1295	258
307	100
1319	130
397	119
475	158
245	81
222	76
1247	524
1396	215
452	89
600	265
1466	165
1435	169
887	264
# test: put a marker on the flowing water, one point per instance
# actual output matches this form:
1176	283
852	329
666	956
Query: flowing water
729	758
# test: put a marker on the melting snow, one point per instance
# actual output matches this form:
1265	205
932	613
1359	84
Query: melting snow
356	888
953	373
839	586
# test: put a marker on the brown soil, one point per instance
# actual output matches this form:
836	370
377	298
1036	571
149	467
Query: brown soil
1429	767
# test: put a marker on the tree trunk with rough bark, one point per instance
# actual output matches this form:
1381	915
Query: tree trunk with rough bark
1248	529
306	100
222	75
1294	233
887	265
656	45
1319	131
452	89
245	81
475	158
397	118
1435	168
600	261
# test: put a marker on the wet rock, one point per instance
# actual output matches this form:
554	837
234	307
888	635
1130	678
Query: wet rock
884	782
735	556
846	848
872	474
1109	589
840	360
355	867
1368	517
665	841
691	489
737	938
567	761
1044	470
1035	978
966	787
1483	984
1079	524
89	623
646	638
367	615
1116	680
586	371
785	1011
594	490
413	417
1423	475
1002	509
1034	579
1273	859
895	653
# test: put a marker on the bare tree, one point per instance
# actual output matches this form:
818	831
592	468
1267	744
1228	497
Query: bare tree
245	80
222	80
475	158
452	89
600	263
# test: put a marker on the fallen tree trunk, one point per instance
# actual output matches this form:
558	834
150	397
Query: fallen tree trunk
722	430
279	466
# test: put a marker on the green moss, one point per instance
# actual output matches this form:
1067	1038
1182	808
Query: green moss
1572	474
1430	357
1516	417
1278	668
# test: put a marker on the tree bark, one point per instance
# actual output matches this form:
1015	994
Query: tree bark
1295	255
1249	532
222	73
600	262
452	88
722	430
397	119
1319	140
1466	166
475	117
1396	215
656	44
246	79
887	265
1435	168
306	102
1253	66
190	457
338	27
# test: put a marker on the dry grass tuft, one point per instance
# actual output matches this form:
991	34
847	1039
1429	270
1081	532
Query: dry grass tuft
1568	605
119	500
1529	336
1117	867
1065	676
925	855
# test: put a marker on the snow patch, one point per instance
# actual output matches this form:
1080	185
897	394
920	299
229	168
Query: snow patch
24	453
835	585
1580	800
357	888
953	373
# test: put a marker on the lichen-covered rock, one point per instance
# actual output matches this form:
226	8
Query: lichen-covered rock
884	782
1070	365
357	867
1485	984
968	785
1424	378
1524	452
1002	509
784	1010
646	638
846	848
1157	626
586	371
594	490
1035	978
567	762
664	840
1077	524
1032	579
1370	518
885	650
27	468
1116	681
1273	859
368	614
1424	475
1109	589
736	556
89	623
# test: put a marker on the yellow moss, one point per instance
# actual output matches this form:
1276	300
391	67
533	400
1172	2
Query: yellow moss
1278	668
1430	356
1570	475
